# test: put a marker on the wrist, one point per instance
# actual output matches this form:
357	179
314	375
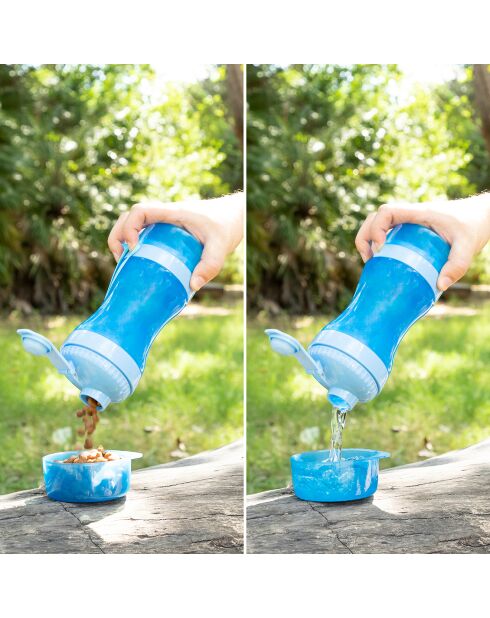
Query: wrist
484	205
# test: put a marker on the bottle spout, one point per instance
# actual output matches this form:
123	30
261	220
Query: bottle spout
36	344
285	344
101	398
342	399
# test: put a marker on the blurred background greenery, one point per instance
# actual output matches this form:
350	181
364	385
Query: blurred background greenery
79	144
326	145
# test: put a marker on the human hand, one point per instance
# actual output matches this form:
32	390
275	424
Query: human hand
464	224
216	223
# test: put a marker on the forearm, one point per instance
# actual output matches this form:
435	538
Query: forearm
464	224
229	210
478	209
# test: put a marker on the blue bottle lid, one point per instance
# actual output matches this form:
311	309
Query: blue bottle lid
85	361
346	379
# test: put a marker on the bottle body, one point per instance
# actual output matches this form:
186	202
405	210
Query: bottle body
149	287
397	287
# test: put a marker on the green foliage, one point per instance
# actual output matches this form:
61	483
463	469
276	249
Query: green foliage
311	166
456	101
178	398
327	145
438	390
79	144
209	99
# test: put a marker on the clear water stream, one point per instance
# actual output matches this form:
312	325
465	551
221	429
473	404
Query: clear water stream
337	426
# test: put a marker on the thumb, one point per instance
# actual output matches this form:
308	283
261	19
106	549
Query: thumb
458	262
211	263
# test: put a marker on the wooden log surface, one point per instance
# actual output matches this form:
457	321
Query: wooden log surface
441	505
194	505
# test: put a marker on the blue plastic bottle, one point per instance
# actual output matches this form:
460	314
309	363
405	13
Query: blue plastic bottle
105	356
353	355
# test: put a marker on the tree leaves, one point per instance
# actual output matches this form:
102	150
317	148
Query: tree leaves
79	144
328	144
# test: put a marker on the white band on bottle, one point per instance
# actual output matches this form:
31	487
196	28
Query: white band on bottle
168	261
356	349
415	261
109	350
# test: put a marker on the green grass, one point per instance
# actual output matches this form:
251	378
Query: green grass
439	389
192	389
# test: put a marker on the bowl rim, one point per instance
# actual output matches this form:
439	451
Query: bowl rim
124	456
367	455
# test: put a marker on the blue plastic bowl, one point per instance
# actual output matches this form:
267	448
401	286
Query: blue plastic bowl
87	482
354	477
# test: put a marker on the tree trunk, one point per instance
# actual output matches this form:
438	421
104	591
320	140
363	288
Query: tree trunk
234	92
481	78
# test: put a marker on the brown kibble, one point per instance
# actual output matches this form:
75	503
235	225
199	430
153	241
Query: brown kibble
90	418
92	456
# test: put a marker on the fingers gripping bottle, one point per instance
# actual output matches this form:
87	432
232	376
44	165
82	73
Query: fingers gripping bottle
353	355
105	356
